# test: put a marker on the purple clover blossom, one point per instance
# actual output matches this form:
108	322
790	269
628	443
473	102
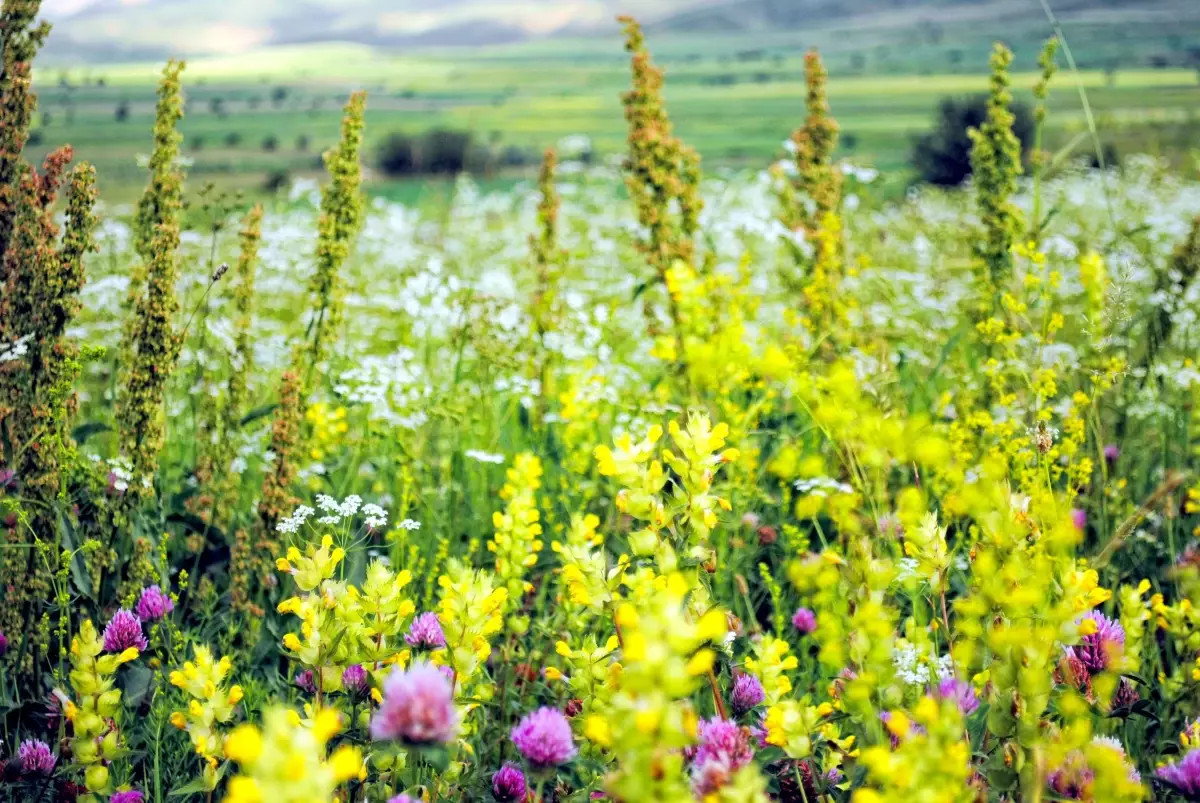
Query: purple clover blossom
724	748
124	630
8	478
1079	518
305	682
1184	774
355	680
417	709
1111	453
508	785
36	758
1073	778
961	692
425	633
153	604
544	738
403	799
747	693
1097	650
132	796
3	644
804	620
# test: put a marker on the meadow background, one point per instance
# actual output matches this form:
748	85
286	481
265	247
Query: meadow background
687	447
263	112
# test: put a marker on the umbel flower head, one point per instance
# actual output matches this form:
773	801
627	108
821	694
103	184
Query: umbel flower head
153	604
544	738
124	630
36	758
508	785
425	633
417	708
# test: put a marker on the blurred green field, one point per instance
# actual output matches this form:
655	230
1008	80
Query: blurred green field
272	112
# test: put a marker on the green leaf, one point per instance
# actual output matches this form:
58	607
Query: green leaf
84	431
257	413
136	681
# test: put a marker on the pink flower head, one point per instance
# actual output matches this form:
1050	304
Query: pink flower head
724	748
1079	518
1111	453
132	796
804	620
417	709
305	681
426	633
1184	774
961	692
544	738
153	604
1073	778
124	630
508	785
1096	651
747	693
3	644
403	799
36	758
355	680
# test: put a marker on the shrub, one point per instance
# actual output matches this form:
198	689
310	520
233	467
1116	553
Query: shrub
943	156
397	155
445	150
270	143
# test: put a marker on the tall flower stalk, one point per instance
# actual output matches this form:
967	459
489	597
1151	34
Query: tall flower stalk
996	164
151	345
662	175
41	275
547	263
341	218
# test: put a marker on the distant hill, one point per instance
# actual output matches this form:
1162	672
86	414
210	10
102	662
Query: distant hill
108	30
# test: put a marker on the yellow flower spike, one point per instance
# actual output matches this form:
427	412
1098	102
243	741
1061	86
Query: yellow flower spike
700	663
898	724
346	762
597	730
243	790
235	695
553	673
179	720
244	745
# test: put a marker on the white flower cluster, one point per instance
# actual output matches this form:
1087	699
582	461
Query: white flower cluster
484	457
821	486
409	524
376	516
294	522
916	669
15	350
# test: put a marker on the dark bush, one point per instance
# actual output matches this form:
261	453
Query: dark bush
122	112
445	151
943	156
277	180
270	143
233	139
397	155
303	143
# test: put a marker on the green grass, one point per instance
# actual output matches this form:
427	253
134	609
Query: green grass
733	111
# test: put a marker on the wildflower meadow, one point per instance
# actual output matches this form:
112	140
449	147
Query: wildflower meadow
638	483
